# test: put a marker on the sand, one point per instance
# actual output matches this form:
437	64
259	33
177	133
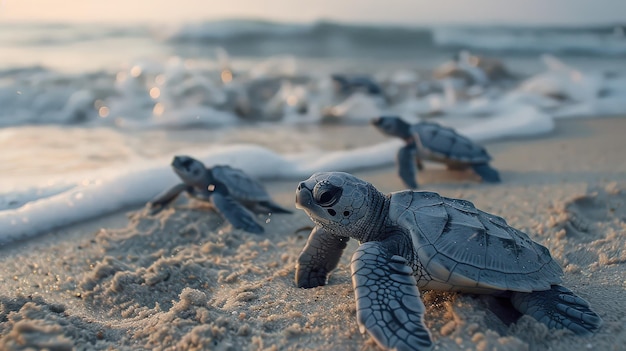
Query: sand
185	280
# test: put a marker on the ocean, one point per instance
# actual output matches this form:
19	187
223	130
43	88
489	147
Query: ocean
92	114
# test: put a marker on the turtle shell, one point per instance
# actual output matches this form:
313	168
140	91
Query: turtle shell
466	249
444	143
240	185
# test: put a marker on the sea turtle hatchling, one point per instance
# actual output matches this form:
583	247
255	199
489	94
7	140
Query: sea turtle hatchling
434	142
230	191
417	239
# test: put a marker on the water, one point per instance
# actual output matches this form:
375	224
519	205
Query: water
92	114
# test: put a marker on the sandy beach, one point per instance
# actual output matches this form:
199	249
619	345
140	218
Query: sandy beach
185	280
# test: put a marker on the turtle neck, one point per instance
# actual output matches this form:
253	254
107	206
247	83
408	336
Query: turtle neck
371	228
404	130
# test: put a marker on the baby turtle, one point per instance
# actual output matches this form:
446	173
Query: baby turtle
349	84
230	191
417	239
431	141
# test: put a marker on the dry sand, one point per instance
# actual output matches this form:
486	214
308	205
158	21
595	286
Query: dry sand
186	281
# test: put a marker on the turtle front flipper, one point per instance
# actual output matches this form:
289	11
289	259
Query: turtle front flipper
388	304
235	213
558	308
157	204
406	165
273	207
320	255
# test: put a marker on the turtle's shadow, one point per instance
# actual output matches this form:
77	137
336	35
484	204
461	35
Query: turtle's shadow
453	180
502	308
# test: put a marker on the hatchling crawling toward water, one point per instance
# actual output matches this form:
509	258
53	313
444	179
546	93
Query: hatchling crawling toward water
231	191
412	240
434	142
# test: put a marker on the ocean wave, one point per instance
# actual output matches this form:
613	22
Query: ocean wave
244	29
591	41
46	35
319	39
328	38
607	40
229	29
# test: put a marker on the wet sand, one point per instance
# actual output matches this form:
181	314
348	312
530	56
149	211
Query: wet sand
185	280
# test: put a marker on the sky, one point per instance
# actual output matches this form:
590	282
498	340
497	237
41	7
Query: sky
405	12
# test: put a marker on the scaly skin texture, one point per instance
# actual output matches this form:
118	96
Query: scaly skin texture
318	258
420	239
558	308
388	304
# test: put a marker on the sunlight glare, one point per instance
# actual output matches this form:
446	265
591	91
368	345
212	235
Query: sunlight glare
135	71
155	93
103	111
158	109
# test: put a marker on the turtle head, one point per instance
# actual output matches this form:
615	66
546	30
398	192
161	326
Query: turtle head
393	126
191	171
340	203
340	82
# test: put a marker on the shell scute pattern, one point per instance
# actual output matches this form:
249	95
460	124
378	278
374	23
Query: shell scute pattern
448	143
462	205
491	279
431	220
419	208
425	254
465	275
239	184
497	220
467	247
454	243
441	266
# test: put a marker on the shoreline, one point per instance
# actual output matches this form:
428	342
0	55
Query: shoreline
183	280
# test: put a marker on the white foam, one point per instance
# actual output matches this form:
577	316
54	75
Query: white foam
106	193
586	93
19	198
604	106
358	107
565	81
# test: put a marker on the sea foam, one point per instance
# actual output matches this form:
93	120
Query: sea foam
106	193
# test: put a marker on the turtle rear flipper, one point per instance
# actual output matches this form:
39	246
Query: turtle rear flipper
235	213
487	173
419	163
558	307
388	304
273	207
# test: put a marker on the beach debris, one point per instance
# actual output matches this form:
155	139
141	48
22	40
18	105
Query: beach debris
421	240
233	193
434	142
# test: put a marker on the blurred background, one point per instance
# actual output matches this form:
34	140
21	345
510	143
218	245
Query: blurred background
88	87
104	34
86	50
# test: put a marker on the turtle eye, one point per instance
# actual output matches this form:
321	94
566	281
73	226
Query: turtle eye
328	197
